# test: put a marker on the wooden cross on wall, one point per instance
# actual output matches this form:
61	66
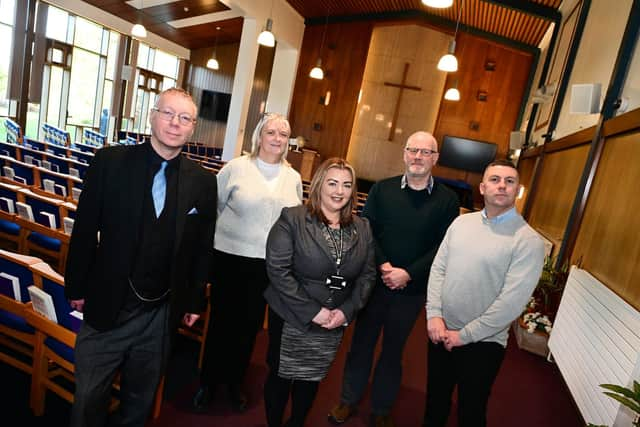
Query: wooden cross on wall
402	86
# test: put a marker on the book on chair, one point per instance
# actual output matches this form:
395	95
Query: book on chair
74	172
46	164
60	190
27	159
49	219
75	193
8	172
68	225
49	185
10	286
42	303
24	211
6	205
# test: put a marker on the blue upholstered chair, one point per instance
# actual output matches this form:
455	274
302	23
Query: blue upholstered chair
16	336
53	359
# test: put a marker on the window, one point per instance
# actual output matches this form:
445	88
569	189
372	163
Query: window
6	35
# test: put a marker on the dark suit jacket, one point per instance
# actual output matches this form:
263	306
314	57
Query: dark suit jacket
299	261
103	243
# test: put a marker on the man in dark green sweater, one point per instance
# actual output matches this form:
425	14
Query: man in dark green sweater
409	215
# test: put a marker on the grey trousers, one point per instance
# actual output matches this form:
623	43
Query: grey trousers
137	349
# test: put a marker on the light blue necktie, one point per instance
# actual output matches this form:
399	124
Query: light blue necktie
159	189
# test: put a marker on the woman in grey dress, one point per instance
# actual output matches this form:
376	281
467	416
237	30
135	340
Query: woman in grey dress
320	262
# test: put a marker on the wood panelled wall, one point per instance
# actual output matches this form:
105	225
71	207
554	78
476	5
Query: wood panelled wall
199	77
327	128
491	120
258	100
526	168
553	199
607	243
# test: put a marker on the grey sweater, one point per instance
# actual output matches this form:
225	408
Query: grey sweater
483	275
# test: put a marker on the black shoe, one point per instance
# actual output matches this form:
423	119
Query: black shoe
237	398
201	399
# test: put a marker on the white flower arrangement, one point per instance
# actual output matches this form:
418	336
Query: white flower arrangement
536	321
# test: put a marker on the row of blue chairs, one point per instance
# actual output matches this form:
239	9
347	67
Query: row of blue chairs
34	343
43	348
75	167
46	233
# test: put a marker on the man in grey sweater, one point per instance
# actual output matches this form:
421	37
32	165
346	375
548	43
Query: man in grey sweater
483	274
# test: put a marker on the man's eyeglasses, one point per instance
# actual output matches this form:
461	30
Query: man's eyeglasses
423	151
167	116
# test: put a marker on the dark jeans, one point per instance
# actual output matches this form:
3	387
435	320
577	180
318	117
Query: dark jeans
394	314
277	389
473	368
237	314
138	349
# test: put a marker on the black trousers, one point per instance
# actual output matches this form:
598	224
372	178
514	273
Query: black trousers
138	349
395	314
237	314
277	390
473	368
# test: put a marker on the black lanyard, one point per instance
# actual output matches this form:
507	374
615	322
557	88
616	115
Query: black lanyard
337	248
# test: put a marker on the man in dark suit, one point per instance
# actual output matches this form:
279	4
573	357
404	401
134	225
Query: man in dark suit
138	259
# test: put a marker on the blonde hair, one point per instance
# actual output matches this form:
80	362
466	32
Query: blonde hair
257	132
313	202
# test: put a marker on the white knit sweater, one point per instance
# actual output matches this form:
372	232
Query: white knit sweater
248	207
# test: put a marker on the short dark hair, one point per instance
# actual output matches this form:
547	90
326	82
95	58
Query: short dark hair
313	202
501	162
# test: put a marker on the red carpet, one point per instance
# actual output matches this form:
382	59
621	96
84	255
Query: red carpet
529	392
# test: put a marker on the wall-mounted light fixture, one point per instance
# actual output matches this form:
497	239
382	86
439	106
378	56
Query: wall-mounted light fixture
317	72
138	29
212	63
449	62
266	37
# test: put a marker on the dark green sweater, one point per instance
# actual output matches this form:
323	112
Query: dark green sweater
408	226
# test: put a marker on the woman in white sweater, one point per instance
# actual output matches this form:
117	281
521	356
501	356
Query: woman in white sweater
252	190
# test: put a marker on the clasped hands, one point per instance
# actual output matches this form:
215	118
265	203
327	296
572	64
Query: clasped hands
330	319
438	333
394	277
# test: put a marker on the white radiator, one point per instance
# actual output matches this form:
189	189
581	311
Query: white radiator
596	340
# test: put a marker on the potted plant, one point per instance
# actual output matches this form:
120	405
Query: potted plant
534	325
627	396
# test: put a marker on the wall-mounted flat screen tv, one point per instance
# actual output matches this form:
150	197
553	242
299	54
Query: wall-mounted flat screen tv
214	105
466	154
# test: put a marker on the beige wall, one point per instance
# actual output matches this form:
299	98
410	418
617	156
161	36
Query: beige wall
373	156
594	62
596	58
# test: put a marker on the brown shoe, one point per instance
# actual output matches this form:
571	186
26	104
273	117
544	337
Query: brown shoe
381	421
341	413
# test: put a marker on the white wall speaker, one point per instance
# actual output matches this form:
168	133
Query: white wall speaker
516	140
585	98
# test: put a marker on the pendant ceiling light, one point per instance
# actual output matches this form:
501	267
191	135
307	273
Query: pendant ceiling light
212	63
449	62
266	37
138	29
452	94
438	4
317	72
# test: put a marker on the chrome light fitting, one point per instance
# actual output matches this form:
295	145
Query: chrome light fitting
317	72
449	62
266	37
212	63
